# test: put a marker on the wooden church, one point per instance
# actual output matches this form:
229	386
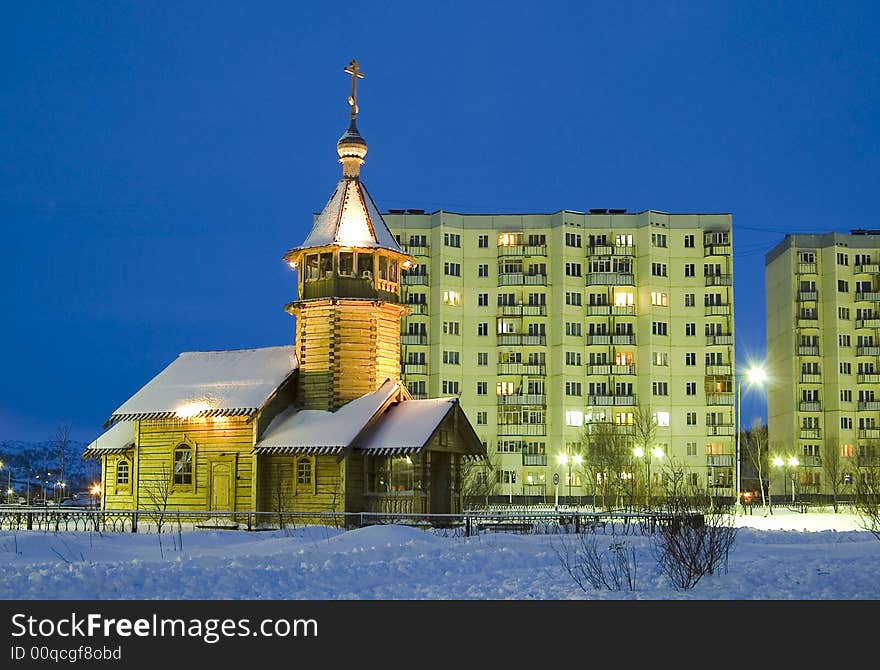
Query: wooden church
325	425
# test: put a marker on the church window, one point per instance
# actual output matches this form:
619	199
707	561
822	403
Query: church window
183	464
346	264
365	266
304	471
123	469
326	269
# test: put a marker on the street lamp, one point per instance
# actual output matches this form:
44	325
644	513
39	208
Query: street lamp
96	492
565	459
793	463
657	453
755	376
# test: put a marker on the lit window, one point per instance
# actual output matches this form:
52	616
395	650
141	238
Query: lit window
504	388
574	418
662	418
451	298
624	299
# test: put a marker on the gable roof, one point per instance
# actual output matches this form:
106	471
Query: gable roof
212	383
406	427
117	440
319	431
351	219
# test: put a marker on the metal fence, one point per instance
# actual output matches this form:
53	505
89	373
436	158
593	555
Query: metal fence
517	520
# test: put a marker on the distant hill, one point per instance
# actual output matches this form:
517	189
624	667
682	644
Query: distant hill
24	461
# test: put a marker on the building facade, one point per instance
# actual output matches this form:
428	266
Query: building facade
548	324
823	346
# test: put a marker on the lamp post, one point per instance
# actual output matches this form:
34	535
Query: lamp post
565	459
756	376
656	452
96	492
793	463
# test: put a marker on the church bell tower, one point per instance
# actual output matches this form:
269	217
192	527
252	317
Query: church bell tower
349	268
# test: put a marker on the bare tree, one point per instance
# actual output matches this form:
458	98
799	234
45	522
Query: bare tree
832	468
644	427
756	448
866	498
608	457
478	481
158	492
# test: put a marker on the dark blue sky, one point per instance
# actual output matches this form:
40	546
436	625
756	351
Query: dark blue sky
158	158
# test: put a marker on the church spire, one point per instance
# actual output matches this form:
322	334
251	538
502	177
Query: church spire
351	147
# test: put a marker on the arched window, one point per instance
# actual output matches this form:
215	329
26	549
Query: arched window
123	470
183	463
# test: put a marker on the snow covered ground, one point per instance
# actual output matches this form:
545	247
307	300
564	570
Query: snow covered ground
812	556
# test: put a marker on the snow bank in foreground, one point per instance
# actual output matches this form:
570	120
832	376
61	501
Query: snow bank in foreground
834	561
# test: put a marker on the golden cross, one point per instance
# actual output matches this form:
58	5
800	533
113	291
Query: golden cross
355	71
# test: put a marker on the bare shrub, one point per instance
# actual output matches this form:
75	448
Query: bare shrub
580	557
691	544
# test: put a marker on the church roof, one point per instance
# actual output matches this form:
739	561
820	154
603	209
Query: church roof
406	427
320	431
351	219
212	383
117	440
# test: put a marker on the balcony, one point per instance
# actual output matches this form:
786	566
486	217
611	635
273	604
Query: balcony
419	396
811	460
610	279
719	461
867	323
809	406
808	351
598	310
808	296
719	370
611	250
717	310
868	378
807	322
521	279
599	369
869	433
869	405
810	433
720	429
407	338
415	369
418	308
868	351
719	280
534	459
522	369
415	280
868	296
867	268
417	249
598	339
623	310
611	400
716	250
523	310
811	379
524	399
715	340
522	429
720	398
623	369
522	250
533	490
623	339
807	269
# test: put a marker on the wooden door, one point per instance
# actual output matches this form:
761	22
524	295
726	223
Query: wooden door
440	501
221	486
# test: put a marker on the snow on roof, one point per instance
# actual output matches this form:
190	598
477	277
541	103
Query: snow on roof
407	426
321	431
118	439
351	219
210	383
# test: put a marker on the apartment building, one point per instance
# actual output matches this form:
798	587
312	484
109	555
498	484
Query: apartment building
546	324
823	346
